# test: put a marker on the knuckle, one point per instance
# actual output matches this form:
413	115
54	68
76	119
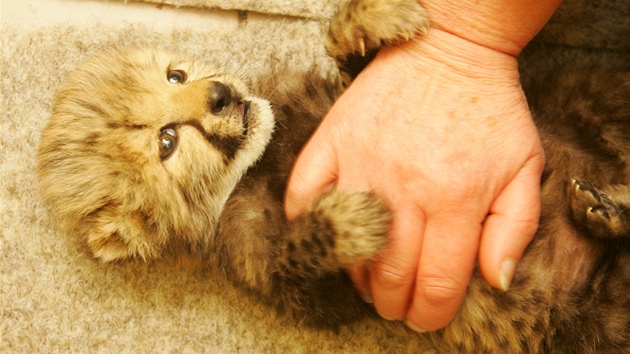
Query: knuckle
392	276
439	291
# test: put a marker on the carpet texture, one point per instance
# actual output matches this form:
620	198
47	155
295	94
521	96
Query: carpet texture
318	9
54	299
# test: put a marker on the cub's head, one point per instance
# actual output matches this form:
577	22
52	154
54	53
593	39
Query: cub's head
143	149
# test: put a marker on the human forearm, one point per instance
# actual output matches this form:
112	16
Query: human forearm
503	25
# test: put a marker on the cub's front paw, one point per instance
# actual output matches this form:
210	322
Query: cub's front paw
596	211
364	25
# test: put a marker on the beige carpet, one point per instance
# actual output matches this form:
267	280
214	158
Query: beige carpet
54	299
318	9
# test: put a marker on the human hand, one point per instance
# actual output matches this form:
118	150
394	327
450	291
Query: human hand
441	129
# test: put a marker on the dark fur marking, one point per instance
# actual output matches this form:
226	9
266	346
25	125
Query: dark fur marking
186	195
490	326
331	240
129	126
148	222
318	244
92	139
540	325
505	301
518	324
306	246
227	145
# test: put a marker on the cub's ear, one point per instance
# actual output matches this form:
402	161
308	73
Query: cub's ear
112	235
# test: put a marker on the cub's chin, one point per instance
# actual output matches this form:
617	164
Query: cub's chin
143	149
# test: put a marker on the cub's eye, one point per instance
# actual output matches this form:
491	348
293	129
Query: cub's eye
176	76
168	142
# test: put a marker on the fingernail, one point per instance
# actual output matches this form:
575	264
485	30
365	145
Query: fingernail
414	328
507	273
367	297
386	318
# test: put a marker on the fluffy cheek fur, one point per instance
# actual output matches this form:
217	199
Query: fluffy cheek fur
152	202
116	194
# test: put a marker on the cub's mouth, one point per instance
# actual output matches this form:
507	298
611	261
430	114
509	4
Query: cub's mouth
228	145
243	108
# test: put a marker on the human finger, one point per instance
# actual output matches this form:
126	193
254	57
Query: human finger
360	276
314	170
392	274
511	225
444	271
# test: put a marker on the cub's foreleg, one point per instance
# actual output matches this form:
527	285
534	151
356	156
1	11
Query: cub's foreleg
361	27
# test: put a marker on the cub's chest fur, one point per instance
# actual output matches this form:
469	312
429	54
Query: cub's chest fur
147	155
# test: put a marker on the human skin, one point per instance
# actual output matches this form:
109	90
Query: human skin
438	126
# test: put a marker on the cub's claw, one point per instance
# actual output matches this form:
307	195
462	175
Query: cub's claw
361	42
365	25
596	212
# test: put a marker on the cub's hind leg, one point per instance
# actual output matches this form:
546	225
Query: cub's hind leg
361	27
600	212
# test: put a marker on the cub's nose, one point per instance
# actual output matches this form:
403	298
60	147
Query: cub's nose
220	97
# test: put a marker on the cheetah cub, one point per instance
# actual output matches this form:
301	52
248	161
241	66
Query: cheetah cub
147	155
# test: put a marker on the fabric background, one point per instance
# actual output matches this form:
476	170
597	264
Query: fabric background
54	299
317	9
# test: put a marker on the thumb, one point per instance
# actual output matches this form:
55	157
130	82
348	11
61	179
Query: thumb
511	225
315	170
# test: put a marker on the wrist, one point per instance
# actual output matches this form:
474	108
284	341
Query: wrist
451	72
503	25
452	58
